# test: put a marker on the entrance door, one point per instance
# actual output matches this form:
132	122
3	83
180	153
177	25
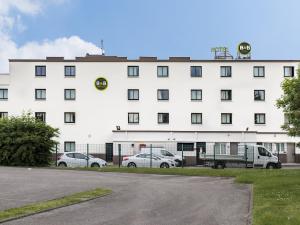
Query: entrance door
290	154
233	148
200	148
109	152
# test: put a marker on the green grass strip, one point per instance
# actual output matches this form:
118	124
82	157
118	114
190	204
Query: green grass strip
43	206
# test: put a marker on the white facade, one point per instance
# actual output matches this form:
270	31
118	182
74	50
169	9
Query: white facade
99	112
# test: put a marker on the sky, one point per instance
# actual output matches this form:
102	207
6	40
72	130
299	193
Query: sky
133	28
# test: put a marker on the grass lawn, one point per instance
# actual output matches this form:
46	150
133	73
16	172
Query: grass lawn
51	204
276	192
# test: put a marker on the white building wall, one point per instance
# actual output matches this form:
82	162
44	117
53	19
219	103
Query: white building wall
99	112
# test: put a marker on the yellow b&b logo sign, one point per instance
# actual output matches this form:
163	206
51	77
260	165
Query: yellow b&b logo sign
101	83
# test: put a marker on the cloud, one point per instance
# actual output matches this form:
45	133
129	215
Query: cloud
10	21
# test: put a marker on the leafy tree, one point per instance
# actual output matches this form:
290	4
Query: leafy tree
290	103
26	141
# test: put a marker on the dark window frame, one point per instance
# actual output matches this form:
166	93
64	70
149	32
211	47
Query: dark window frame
73	115
162	67
36	71
38	118
200	90
226	67
65	94
40	89
264	95
259	67
196	114
259	114
168	120
4	90
230	120
70	75
185	146
138	71
134	113
229	94
293	71
133	99
162	99
3	115
195	67
71	143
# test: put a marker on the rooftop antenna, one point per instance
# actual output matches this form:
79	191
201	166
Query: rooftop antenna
102	48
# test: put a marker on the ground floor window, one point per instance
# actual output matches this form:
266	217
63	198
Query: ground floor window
69	146
220	148
279	147
185	146
3	115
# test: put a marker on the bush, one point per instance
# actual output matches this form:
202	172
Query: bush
26	141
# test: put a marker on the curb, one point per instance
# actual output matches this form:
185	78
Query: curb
50	209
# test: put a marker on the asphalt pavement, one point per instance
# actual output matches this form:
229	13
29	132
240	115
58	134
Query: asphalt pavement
137	199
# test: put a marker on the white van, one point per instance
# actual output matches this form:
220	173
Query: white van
162	152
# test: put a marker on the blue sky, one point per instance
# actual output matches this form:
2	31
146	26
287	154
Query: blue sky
165	28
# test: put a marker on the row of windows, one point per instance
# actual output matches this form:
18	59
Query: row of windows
133	94
162	118
163	71
196	94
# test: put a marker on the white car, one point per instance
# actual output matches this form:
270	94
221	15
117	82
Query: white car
75	159
163	153
144	160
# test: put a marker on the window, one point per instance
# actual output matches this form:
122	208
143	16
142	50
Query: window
220	148
69	146
226	95
133	94
280	147
258	71
40	94
133	71
70	71
40	71
196	118
225	71
263	152
166	153
79	156
3	115
185	147
70	94
3	94
259	118
40	116
196	94
268	146
162	71
196	71
133	118
226	118
69	117
163	118
288	71
259	95
162	94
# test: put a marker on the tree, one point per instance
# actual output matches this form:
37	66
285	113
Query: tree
26	141
290	103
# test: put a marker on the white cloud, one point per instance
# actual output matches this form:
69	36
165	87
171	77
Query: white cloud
68	47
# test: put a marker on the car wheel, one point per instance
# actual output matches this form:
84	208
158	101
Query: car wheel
131	165
95	165
271	166
164	165
62	164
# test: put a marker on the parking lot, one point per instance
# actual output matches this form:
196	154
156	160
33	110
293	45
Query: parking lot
136	199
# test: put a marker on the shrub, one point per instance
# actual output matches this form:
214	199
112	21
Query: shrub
26	141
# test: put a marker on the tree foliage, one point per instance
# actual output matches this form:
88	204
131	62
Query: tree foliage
290	103
26	141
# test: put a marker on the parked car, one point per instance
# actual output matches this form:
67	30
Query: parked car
163	153
144	160
75	159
